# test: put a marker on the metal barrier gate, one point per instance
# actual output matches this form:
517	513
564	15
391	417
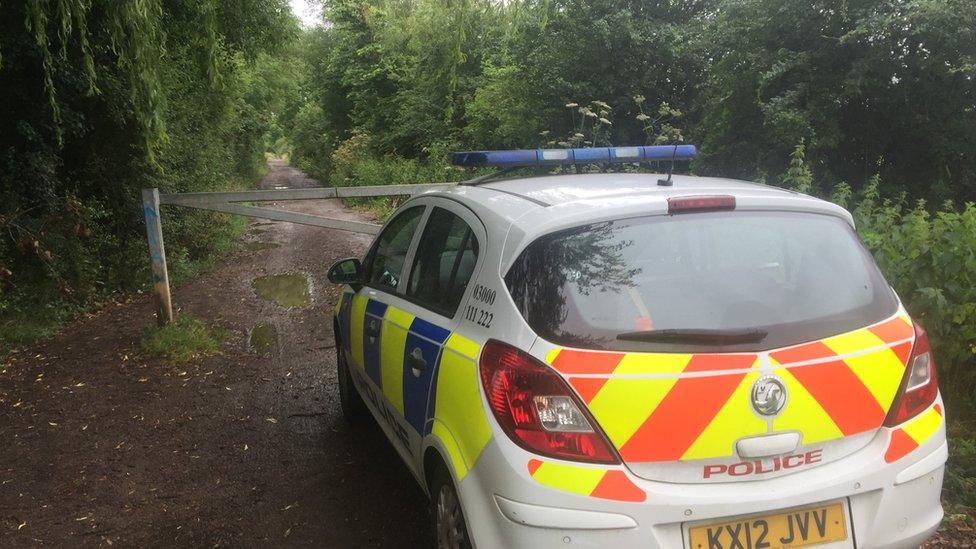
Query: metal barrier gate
236	203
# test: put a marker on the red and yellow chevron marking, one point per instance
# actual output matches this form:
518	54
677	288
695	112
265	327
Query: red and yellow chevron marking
668	407
587	481
913	434
853	378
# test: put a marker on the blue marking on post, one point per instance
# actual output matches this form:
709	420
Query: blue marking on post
151	220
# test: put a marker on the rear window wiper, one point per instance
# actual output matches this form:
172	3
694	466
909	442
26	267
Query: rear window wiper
700	336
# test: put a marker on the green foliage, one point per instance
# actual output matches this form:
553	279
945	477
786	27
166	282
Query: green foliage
930	259
799	177
659	128
960	479
873	86
133	32
354	164
186	339
498	115
104	98
593	121
312	149
24	320
421	74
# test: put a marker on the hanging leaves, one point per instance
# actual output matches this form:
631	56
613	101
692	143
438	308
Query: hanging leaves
133	29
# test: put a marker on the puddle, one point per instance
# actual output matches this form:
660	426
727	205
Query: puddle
263	338
287	290
258	246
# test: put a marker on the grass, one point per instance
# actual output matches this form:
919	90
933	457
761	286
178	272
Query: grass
30	316
26	327
185	339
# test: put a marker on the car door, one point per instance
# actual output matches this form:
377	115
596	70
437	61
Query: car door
369	344
422	315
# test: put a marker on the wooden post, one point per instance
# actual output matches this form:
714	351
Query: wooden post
157	253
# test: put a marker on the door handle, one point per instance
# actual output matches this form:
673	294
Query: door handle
373	329
416	362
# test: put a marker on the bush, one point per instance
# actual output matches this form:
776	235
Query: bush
355	165
930	259
311	144
960	479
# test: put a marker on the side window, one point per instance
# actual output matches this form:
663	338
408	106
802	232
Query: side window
444	263
385	261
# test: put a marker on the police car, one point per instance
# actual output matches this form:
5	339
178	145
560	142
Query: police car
639	360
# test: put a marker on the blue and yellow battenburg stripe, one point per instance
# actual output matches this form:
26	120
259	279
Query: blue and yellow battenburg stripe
444	399
459	418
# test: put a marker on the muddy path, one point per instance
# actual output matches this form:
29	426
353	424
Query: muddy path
100	445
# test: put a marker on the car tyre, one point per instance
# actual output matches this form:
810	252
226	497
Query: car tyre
353	407
448	525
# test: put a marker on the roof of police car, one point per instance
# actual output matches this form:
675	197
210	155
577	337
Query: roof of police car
561	189
532	200
541	204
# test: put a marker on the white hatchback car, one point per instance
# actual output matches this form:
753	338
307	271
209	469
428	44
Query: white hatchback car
623	360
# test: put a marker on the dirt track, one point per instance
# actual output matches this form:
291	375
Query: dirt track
100	445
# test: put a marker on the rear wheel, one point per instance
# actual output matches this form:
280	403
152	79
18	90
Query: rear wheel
353	408
450	529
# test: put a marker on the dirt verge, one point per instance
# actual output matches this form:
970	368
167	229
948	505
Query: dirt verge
102	445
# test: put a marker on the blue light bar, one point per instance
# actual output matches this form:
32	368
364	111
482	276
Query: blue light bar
565	157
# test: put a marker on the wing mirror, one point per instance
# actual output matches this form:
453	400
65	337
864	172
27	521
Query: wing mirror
347	271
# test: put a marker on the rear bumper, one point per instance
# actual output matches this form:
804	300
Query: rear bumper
891	505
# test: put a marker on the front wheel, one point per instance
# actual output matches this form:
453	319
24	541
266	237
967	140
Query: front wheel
450	530
353	408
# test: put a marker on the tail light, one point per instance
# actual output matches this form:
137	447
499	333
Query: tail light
919	387
537	409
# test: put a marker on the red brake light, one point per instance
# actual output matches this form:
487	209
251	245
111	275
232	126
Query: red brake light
685	204
537	409
919	387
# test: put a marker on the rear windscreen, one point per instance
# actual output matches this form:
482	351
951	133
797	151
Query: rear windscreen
793	277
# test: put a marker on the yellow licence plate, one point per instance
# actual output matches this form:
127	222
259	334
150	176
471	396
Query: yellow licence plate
794	528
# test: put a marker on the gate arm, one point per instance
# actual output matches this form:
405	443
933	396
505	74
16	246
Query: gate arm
291	217
196	200
228	202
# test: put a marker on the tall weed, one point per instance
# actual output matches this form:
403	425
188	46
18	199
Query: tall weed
930	259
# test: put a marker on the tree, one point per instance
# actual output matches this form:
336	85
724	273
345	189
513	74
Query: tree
101	98
872	85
